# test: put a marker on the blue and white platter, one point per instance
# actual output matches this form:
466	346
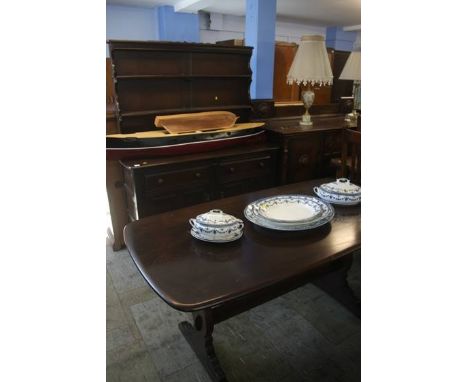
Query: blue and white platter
289	212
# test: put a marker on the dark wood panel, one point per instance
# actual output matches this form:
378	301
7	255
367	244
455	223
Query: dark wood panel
341	88
167	181
232	170
150	62
304	159
141	95
220	64
286	111
284	56
157	204
219	92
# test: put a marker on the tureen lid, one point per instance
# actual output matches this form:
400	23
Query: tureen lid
341	186
216	218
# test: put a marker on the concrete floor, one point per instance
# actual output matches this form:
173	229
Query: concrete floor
301	336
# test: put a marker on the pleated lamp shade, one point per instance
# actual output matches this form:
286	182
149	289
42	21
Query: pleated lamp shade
352	68
311	64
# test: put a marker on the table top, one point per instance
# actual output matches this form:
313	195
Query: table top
190	274
291	126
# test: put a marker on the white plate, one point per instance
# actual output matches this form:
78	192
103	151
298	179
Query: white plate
196	235
289	208
251	212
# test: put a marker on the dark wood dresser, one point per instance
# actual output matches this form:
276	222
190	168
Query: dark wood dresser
306	152
164	184
158	78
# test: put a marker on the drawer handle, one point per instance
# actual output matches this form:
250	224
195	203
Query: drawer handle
160	181
303	159
231	169
197	175
261	164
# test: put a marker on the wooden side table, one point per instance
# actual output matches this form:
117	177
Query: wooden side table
306	151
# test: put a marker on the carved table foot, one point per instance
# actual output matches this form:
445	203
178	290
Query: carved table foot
199	336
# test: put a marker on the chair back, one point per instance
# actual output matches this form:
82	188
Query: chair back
351	155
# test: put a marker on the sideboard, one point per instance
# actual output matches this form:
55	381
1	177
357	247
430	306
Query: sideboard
306	151
164	184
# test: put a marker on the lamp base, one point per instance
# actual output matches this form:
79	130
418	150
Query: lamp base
306	120
352	117
308	97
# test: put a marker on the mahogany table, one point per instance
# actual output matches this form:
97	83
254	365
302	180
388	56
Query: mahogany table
218	281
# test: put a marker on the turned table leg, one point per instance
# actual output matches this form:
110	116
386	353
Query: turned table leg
199	336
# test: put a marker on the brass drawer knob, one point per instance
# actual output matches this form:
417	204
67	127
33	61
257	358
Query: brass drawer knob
231	169
261	164
160	181
197	175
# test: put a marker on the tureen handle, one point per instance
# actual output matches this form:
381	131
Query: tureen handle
192	222
216	211
316	190
241	224
342	180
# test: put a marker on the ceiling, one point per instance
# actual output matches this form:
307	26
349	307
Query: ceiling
318	12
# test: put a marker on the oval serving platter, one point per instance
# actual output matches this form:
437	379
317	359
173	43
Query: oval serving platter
326	214
289	208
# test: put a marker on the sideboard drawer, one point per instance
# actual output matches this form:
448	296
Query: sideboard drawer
163	182
246	168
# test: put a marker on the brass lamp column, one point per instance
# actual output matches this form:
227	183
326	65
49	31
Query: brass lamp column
310	67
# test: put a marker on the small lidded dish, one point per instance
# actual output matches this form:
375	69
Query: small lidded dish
342	192
216	226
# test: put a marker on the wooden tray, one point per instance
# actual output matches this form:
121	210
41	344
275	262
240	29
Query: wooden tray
185	123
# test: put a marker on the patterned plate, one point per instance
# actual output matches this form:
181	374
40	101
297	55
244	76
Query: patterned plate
289	208
325	215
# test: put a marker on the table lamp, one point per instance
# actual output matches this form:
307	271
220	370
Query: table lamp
310	67
352	71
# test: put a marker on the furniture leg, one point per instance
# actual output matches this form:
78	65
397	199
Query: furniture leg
117	202
335	284
199	336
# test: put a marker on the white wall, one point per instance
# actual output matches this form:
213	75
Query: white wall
226	27
138	23
131	23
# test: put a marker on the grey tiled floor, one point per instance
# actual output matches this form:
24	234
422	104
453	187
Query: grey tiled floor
301	336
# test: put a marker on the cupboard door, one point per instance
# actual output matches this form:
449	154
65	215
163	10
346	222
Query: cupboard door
304	159
284	56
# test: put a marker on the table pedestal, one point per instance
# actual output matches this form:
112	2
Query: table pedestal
199	336
331	279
